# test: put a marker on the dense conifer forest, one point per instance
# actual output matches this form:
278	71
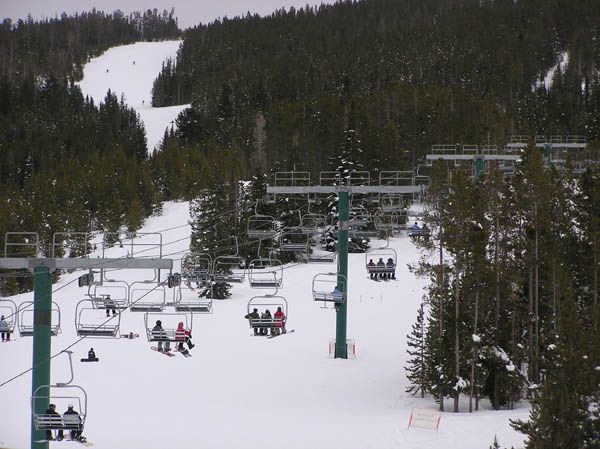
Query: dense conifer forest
65	161
402	74
512	308
512	305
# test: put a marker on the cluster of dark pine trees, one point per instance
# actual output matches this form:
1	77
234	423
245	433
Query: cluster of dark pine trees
512	308
401	74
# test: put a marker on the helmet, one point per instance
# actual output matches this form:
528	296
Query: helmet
279	309
158	322
70	406
256	310
52	406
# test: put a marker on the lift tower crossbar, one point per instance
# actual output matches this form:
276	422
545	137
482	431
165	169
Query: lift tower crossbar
343	191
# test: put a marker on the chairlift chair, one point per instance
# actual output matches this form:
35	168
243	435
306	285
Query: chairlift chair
293	240
113	295
416	233
391	203
188	299
25	319
62	395
358	216
261	227
261	275
263	303
144	298
229	269
9	310
196	267
89	322
312	224
325	287
381	254
169	322
322	257
386	221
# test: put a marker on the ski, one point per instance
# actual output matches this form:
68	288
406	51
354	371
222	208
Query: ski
277	335
168	354
185	354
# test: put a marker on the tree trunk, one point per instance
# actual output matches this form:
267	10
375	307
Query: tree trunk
475	352
441	307
536	370
497	314
456	338
595	266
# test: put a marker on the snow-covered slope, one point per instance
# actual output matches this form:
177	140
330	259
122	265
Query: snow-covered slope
240	391
129	71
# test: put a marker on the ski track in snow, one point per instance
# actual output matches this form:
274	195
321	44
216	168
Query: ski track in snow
239	391
129	72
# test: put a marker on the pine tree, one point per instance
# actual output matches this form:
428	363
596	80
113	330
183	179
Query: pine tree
416	350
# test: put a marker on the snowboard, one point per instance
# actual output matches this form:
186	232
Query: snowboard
185	354
279	335
130	335
168	354
85	443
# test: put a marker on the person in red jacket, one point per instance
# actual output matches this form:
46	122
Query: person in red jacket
279	319
182	336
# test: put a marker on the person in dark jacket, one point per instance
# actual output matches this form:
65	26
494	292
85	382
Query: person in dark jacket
110	305
266	316
4	329
54	416
381	265
391	267
71	417
370	267
160	335
253	317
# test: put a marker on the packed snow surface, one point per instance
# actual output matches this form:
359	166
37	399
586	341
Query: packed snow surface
129	72
237	390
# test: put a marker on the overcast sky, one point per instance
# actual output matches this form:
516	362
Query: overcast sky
188	12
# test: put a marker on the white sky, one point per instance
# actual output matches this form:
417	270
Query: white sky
189	12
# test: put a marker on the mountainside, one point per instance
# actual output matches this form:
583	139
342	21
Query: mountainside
402	74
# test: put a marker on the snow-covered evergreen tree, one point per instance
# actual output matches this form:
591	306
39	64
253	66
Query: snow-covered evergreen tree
415	371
